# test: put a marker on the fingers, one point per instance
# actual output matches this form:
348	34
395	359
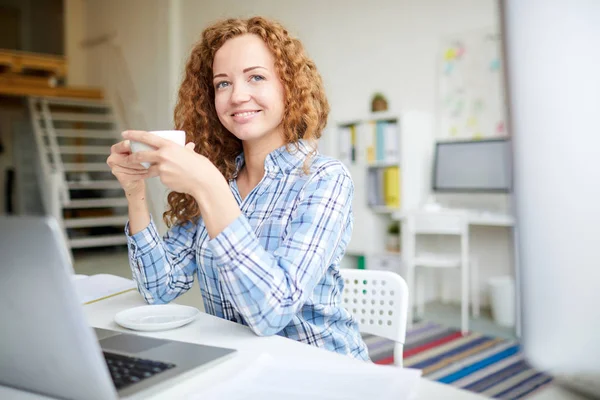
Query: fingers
151	157
123	147
153	171
121	160
147	138
122	170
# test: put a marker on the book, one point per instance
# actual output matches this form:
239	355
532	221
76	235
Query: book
91	288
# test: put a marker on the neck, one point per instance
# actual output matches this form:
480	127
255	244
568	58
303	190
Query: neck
255	153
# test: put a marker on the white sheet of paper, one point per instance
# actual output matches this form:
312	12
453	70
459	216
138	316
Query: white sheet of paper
268	378
97	286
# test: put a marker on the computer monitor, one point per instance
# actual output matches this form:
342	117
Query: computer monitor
552	55
472	166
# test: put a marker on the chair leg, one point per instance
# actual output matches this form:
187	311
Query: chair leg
475	294
420	295
410	282
398	354
464	287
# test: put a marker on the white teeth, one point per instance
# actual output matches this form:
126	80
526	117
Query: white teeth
245	114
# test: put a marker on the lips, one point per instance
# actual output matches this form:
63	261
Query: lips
245	113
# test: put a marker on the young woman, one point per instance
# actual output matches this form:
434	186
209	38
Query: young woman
256	213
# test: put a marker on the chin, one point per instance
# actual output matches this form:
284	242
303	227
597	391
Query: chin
249	134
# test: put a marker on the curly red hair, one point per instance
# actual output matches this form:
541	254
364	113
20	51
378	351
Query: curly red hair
306	106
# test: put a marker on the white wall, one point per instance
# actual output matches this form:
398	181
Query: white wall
75	33
142	34
363	47
360	47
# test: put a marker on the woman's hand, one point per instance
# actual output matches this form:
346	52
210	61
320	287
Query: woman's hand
181	169
130	175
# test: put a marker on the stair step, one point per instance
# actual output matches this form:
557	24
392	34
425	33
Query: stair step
83	150
113	184
87	134
98	241
82	167
96	221
80	117
97	203
76	103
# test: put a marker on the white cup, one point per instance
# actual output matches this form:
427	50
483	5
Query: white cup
174	136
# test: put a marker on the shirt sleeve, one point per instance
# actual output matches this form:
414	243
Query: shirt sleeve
268	289
163	269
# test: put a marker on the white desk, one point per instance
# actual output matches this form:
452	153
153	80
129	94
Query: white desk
479	218
215	331
211	330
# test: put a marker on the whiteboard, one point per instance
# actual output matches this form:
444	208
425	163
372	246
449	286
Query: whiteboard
470	90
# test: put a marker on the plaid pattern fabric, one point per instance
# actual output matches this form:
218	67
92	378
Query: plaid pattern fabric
276	267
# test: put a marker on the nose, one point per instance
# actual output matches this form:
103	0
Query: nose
240	94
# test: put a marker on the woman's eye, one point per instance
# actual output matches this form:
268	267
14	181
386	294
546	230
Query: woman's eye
257	78
221	85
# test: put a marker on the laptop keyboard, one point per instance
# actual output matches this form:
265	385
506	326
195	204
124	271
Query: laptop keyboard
126	370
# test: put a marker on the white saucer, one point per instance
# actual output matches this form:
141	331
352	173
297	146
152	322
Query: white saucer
158	317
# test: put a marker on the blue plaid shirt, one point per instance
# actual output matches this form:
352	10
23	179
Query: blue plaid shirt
276	267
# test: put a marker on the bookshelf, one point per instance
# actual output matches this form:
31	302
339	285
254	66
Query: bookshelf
389	157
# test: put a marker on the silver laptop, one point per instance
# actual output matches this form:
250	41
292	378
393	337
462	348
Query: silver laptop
46	345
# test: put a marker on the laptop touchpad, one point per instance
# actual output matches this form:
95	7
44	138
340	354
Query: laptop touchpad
130	343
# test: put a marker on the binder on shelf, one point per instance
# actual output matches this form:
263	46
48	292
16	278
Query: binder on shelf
391	139
380	149
372	187
392	187
370	140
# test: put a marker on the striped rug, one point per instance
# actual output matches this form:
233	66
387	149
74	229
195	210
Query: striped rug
489	366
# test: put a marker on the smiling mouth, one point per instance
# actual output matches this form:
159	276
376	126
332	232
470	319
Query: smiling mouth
245	113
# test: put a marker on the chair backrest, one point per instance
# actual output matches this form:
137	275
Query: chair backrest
378	300
438	223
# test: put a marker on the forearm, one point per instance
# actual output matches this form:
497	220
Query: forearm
217	206
139	214
163	268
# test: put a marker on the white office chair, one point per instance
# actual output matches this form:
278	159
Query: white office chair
379	302
440	223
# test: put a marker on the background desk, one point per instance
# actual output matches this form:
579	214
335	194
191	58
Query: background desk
480	218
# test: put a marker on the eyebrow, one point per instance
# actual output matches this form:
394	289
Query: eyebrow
244	71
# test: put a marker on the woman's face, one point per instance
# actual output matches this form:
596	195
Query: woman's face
249	97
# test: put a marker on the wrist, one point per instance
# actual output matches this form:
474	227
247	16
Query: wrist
217	206
210	191
136	196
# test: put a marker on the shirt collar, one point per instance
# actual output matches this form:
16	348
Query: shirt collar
285	158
